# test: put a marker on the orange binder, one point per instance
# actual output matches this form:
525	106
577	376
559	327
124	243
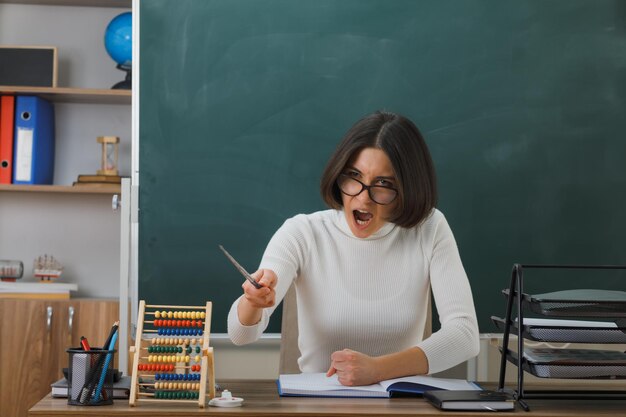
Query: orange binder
7	121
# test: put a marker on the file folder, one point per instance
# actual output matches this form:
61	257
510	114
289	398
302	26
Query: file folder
33	157
7	120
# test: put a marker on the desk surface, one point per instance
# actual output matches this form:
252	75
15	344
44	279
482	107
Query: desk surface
261	399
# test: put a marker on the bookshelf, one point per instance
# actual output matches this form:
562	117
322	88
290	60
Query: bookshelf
76	224
59	218
74	96
85	107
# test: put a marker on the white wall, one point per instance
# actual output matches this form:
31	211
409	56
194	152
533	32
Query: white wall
77	32
260	360
81	231
256	361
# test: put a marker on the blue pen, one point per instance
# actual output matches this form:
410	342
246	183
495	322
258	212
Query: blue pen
96	396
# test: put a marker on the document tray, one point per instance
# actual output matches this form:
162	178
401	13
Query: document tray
583	302
565	334
573	369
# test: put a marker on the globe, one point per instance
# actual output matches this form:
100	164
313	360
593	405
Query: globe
118	39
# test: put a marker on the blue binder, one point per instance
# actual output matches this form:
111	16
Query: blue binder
33	157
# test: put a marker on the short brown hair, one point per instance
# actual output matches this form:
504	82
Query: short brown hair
410	158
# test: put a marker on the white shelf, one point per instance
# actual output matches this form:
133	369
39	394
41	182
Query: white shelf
73	95
82	189
86	3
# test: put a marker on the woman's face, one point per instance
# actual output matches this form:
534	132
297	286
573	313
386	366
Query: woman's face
371	166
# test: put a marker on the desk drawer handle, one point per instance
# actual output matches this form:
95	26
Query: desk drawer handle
48	318
70	321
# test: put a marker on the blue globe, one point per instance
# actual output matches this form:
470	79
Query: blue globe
118	39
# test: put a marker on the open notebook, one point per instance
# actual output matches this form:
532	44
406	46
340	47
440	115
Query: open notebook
319	385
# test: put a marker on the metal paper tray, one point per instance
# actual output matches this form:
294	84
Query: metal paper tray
587	370
567	331
577	303
576	371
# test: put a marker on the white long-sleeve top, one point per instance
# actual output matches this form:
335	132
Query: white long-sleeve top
369	294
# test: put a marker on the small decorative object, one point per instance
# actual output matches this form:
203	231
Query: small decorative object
31	66
226	400
46	268
110	153
11	270
118	41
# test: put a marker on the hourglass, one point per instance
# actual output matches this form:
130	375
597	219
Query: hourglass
110	151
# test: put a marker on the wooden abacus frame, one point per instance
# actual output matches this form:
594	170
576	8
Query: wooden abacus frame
207	365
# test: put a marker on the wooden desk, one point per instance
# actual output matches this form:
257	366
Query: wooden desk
261	399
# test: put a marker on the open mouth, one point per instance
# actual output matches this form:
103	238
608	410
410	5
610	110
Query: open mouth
362	218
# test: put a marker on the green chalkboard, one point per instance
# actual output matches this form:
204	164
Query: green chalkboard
523	104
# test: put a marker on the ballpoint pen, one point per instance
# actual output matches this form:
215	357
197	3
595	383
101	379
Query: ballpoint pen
105	368
241	269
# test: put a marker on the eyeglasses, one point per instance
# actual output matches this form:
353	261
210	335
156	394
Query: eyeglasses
378	193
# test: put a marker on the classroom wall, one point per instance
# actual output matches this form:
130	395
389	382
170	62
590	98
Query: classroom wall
83	231
77	32
256	361
260	361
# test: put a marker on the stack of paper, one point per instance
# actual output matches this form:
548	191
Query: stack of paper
121	389
54	290
576	363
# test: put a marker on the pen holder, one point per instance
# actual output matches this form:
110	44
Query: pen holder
90	376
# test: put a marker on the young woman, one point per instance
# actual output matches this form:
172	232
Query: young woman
364	269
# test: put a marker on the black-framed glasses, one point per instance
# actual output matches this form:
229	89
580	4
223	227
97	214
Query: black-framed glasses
378	193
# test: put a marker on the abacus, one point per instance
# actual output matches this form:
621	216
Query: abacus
172	360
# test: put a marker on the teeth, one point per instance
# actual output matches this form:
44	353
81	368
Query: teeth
362	222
